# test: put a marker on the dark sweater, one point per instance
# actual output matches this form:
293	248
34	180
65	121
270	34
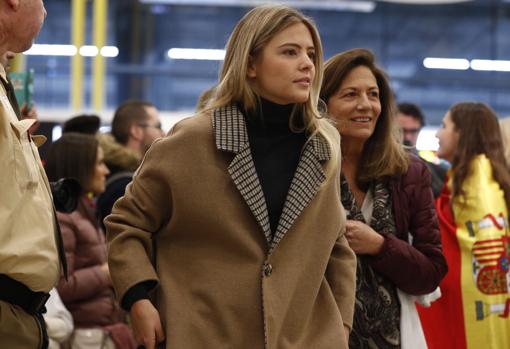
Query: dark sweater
276	151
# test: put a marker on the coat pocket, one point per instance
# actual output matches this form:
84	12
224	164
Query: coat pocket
26	167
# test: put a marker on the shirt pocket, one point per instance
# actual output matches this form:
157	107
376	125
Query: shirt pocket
26	167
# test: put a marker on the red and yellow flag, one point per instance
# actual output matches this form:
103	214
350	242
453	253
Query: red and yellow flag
474	309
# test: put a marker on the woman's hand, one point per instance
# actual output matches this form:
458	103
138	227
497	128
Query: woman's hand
146	324
362	238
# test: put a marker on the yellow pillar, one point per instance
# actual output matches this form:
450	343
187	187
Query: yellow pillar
98	70
18	63
78	15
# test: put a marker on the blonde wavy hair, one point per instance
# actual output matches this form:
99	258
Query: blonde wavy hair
250	36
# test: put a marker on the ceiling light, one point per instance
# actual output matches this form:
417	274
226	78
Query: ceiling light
446	63
196	53
52	50
490	65
88	51
425	2
342	5
71	50
109	51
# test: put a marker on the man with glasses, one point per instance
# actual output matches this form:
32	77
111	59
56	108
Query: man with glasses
411	120
135	126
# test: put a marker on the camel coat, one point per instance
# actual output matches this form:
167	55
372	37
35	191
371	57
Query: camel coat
224	281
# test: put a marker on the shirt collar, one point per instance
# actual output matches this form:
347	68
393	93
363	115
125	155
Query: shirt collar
231	134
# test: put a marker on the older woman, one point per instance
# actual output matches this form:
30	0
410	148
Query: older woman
236	215
387	196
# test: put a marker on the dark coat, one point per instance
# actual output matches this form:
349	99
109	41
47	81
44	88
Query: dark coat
419	268
122	163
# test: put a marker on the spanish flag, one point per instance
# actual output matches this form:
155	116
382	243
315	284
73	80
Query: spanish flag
474	309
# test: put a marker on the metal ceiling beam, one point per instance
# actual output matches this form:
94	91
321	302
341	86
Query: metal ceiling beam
364	6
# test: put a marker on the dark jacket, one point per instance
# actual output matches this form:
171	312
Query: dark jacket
122	163
419	268
438	173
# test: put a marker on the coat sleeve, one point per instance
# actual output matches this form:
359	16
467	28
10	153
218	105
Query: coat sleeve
82	283
140	213
415	268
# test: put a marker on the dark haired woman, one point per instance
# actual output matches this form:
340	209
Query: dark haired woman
473	214
88	292
387	196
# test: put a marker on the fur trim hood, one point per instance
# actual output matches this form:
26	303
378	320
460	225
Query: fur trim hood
116	156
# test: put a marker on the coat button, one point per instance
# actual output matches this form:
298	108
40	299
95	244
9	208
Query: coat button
268	269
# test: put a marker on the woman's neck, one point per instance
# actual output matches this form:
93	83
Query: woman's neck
351	157
270	117
351	152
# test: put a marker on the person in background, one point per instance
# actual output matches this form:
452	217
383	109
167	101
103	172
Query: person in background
88	292
411	120
474	311
135	126
83	123
386	193
28	271
234	220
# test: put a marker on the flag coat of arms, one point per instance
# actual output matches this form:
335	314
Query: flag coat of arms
474	310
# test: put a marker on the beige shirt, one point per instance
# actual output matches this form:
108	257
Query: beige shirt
28	249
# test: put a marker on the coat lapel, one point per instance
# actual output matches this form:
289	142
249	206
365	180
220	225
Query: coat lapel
307	179
231	135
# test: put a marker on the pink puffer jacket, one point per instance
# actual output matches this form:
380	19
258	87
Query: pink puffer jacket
87	293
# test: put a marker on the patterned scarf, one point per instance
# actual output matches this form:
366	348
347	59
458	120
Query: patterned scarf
377	308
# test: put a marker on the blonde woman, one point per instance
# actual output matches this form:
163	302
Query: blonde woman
234	220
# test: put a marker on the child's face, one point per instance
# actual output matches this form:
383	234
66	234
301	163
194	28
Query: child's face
448	138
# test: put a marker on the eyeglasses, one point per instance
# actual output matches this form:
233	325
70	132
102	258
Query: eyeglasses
146	125
412	131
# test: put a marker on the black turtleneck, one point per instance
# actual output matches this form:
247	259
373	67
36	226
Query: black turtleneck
276	151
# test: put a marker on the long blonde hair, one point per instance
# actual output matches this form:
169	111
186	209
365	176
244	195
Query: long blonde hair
248	39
